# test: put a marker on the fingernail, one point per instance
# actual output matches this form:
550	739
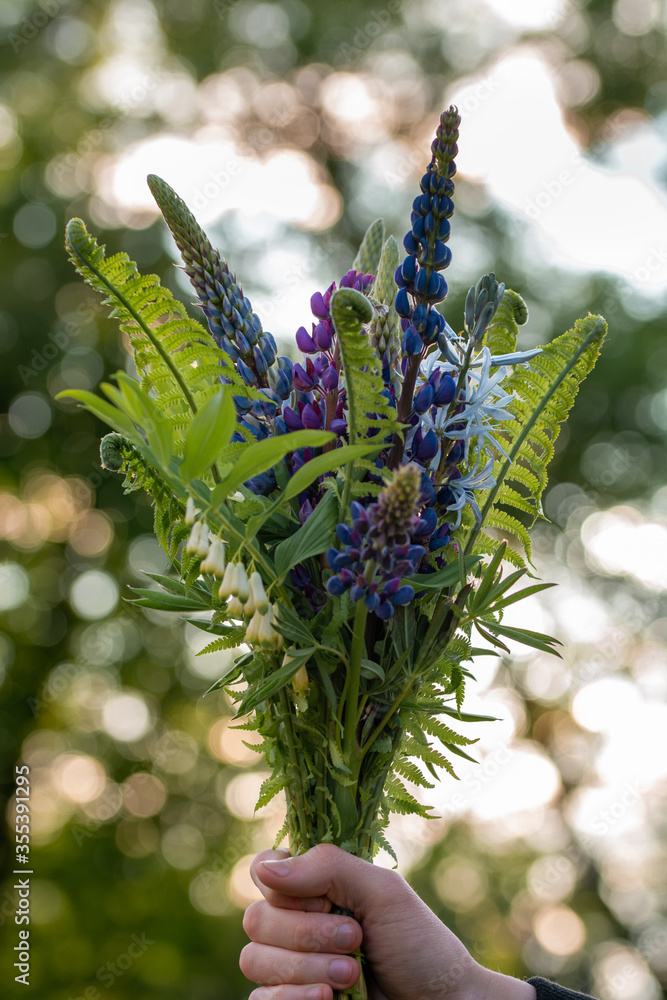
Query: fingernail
340	971
345	936
315	993
278	867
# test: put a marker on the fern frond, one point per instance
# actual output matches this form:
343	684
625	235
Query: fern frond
368	408
399	800
408	769
502	334
544	394
175	356
234	638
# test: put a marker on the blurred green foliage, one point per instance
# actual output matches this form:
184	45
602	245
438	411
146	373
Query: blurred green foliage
142	800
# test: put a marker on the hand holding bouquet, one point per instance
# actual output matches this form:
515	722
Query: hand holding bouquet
344	519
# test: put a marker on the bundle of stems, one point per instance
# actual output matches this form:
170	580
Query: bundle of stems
348	524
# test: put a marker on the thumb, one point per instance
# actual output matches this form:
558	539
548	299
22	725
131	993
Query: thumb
326	870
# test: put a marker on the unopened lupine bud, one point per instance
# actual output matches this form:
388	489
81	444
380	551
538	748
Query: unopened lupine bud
215	560
190	511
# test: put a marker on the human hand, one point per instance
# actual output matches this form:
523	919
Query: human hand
299	948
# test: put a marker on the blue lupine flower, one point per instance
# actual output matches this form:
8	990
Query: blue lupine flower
420	286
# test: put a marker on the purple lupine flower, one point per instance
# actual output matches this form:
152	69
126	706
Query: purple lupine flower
379	549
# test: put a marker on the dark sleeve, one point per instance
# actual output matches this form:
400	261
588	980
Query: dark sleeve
547	990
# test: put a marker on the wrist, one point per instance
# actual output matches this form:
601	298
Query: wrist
495	986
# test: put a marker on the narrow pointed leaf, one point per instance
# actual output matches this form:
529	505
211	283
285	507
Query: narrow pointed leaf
210	431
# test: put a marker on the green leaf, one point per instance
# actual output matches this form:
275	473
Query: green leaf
206	436
149	417
232	671
370	669
538	640
442	578
307	474
111	415
520	594
161	601
311	539
291	627
263	455
275	681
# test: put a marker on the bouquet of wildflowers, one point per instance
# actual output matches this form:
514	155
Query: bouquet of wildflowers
349	521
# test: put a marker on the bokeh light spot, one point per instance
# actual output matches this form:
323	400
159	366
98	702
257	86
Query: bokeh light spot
14	585
559	930
144	794
94	594
126	717
80	778
183	846
241	889
35	225
228	744
29	415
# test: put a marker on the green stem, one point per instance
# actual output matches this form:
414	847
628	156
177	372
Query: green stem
345	502
298	781
392	710
403	411
352	706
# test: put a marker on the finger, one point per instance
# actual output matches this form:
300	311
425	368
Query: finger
261	963
326	870
314	991
316	904
299	931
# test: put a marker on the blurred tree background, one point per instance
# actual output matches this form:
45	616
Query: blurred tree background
288	126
